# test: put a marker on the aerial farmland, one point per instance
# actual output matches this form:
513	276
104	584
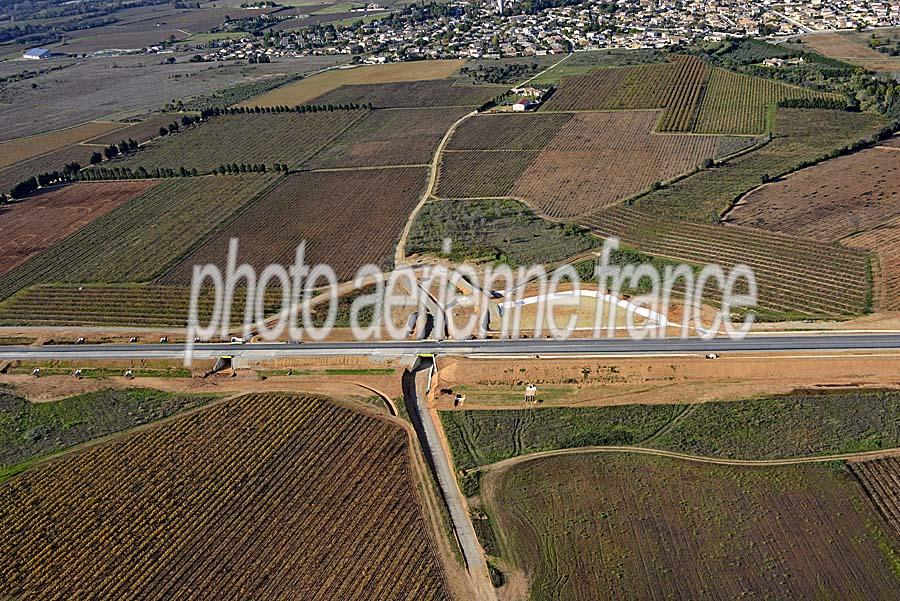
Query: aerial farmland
210	390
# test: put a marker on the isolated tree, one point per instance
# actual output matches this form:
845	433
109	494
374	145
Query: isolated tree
163	131
123	147
132	144
111	151
96	158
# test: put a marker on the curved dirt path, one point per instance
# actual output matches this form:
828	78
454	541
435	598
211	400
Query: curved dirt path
507	463
400	251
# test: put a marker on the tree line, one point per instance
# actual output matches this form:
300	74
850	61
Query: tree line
300	108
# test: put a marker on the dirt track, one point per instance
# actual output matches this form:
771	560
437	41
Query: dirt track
507	463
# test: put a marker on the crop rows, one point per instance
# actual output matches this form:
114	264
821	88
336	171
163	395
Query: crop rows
881	480
585	161
622	88
676	86
268	138
507	131
736	104
347	218
829	201
685	88
386	137
118	305
481	174
21	149
277	497
598	159
801	135
411	94
794	276
50	216
136	241
619	526
884	241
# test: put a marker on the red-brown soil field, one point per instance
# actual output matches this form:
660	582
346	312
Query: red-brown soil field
411	94
389	137
261	497
794	276
43	219
881	480
142	238
829	201
617	526
348	218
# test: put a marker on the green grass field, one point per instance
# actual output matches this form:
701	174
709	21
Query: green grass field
797	425
619	526
30	430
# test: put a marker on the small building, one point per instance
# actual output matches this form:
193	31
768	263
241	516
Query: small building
523	105
531	393
36	54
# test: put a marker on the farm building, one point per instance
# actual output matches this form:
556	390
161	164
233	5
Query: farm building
36	54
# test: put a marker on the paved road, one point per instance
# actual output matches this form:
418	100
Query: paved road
439	461
484	348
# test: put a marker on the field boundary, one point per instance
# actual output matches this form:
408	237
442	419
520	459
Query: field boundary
862	456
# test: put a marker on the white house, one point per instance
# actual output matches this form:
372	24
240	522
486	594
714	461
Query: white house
36	54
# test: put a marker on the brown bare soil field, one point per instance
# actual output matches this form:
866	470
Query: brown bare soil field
411	94
243	496
306	90
22	149
883	240
140	132
598	159
500	384
794	276
389	137
49	216
619	526
348	218
881	480
828	201
52	161
268	138
481	174
840	46
507	131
